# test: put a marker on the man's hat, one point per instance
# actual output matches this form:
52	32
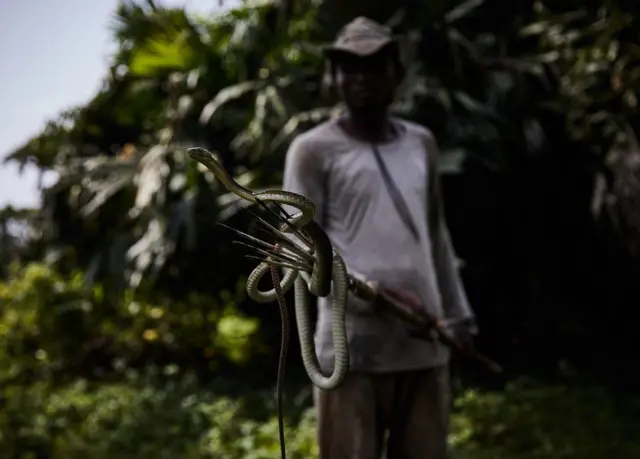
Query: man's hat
361	37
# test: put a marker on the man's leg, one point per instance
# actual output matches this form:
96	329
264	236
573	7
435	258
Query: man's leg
349	424
420	419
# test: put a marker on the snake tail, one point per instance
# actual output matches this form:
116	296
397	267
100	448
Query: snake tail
282	358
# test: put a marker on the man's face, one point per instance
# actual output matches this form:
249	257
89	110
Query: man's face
366	83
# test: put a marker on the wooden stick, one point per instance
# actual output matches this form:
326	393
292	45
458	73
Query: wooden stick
427	325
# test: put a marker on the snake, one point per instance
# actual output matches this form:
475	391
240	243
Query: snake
328	276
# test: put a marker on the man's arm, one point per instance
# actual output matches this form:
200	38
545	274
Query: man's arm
454	300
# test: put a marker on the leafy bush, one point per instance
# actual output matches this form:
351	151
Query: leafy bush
528	421
54	326
136	418
145	418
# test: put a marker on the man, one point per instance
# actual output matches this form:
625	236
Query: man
373	180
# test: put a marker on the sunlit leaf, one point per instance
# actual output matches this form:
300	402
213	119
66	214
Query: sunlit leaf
162	54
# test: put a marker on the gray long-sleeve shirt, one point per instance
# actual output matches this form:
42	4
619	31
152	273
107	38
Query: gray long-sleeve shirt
340	175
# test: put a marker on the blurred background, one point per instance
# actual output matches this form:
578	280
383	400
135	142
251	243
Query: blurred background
124	327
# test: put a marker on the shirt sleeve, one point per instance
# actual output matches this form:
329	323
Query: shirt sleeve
304	174
454	299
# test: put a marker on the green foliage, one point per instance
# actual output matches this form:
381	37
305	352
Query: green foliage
43	318
535	422
55	327
156	416
170	53
143	420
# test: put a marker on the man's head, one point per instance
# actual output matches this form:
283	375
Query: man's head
365	65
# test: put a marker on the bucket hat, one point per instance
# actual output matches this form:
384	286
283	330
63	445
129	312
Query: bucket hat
361	37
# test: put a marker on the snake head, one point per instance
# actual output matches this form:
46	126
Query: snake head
201	154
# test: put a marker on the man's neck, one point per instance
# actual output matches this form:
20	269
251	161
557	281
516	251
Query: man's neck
369	127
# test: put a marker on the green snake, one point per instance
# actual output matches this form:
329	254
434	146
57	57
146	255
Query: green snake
328	274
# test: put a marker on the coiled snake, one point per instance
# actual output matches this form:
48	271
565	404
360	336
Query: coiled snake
327	270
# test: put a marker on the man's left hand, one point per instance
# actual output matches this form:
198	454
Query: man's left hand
464	334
